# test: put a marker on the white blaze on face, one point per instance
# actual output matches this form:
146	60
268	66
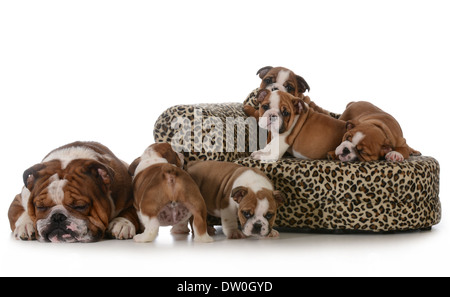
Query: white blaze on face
266	121
56	189
282	77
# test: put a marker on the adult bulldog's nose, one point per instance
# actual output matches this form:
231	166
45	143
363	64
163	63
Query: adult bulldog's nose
58	218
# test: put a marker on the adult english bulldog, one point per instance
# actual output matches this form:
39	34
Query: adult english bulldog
372	134
78	193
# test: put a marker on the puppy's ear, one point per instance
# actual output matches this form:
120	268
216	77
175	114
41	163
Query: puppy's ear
279	197
263	71
349	125
171	156
31	175
133	166
262	94
302	84
239	193
299	105
181	159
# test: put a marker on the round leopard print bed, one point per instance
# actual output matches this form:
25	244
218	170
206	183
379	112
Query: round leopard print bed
321	195
370	196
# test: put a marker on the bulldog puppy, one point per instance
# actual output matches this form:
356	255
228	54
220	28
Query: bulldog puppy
165	195
295	128
234	192
285	80
282	79
77	194
372	134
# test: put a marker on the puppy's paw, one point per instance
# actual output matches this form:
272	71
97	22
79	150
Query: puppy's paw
258	155
264	157
121	228
211	230
147	236
205	238
273	234
236	234
394	156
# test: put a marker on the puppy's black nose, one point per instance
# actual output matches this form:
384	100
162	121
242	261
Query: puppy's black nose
274	89
257	228
58	218
345	151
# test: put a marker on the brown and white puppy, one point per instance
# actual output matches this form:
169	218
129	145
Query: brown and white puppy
165	195
77	194
237	193
285	80
372	134
295	128
282	79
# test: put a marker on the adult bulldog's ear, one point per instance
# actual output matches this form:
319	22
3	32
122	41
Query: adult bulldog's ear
302	84
31	175
239	193
263	71
99	172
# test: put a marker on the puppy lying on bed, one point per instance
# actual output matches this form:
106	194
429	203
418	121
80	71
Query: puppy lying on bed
372	134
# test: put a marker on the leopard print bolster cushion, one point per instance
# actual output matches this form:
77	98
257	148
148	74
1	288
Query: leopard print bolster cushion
200	131
376	196
321	195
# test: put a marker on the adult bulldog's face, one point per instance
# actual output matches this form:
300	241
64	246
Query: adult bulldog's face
70	205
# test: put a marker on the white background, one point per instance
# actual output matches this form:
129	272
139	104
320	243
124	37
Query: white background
105	70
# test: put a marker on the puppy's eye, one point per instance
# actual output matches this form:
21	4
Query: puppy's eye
361	151
269	215
349	138
265	107
268	80
247	214
289	88
286	113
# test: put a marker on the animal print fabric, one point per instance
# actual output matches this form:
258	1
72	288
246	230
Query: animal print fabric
321	195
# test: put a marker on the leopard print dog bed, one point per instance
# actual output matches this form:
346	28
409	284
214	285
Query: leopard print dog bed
321	195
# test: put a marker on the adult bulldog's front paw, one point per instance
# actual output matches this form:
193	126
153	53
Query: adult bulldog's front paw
25	231
121	228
